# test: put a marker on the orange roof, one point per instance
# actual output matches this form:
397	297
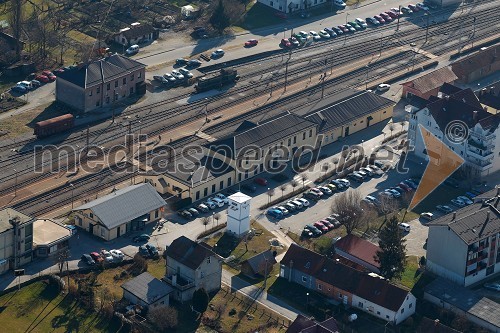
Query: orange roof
359	248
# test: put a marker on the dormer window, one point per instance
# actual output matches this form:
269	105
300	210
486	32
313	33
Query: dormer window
208	260
308	264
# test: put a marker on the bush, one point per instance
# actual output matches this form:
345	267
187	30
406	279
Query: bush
164	318
200	300
212	230
138	266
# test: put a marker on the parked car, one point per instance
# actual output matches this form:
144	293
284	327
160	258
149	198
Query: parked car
317	191
143	251
222	197
492	286
324	34
361	22
333	221
186	73
97	258
193	211
169	77
107	256
339	3
445	209
427	216
413	8
181	62
249	188
383	87
332	187
19	89
25	84
132	49
471	195
160	79
337	30
458	203
326	190
465	199
276	213
321	227
356	177
251	42
283	210
371	199
218	53
177	75
307	233
405	187
210	204
141	238
193	63
297	203
285	42
185	214
394	193
406	10
331	32
35	84
203	208
295	42
392	14
260	181
327	224
316	232
410	183
373	21
50	75
220	203
404	226
349	28
86	258
117	255
312	195
290	206
304	202
380	19
153	251
315	35
386	17
422	6
355	25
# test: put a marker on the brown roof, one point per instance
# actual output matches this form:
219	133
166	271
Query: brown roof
188	252
138	31
258	261
303	324
432	80
481	59
359	248
370	288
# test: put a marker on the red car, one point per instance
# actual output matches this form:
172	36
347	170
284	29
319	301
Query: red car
251	42
392	14
328	224
344	29
404	187
414	8
96	256
321	226
49	74
286	43
260	181
386	17
42	78
379	18
57	72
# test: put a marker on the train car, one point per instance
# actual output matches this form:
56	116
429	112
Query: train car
54	125
217	79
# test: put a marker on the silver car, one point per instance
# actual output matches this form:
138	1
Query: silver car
177	75
185	72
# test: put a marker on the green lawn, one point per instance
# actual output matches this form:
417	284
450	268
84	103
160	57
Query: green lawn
39	307
411	275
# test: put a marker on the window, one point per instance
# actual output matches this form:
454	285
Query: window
202	274
271	3
410	306
387	316
311	132
97	103
116	84
304	136
295	139
156	214
304	279
139	75
90	92
197	195
131	90
360	304
403	310
320	287
102	232
213	188
221	185
378	312
208	260
229	181
98	90
91	215
205	192
132	77
28	230
108	86
80	222
27	246
124	80
107	100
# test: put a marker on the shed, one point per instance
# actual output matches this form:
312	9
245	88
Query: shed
147	291
258	265
49	237
189	11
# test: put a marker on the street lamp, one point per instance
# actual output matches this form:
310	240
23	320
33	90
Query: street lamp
72	193
268	195
15	185
206	110
307	301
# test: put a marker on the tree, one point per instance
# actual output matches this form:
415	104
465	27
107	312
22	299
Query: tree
387	205
294	184
325	167
335	161
283	188
217	217
402	126
205	220
391	128
348	206
60	258
164	317
304	177
392	254
270	193
219	19
200	300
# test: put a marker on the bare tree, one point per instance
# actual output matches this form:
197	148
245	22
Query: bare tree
335	161
60	259
270	193
205	220
304	177
392	127
402	123
387	205
348	206
283	188
325	167
217	217
294	184
164	318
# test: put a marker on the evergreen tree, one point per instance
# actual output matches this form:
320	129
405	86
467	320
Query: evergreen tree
200	300
392	257
220	20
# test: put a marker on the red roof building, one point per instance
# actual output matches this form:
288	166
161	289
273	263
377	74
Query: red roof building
428	85
359	251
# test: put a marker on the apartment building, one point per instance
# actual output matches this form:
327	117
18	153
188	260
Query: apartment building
464	246
101	83
16	239
366	292
460	121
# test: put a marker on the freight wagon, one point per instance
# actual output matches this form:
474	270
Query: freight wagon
217	80
54	125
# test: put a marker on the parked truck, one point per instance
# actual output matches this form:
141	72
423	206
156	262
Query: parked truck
54	125
217	79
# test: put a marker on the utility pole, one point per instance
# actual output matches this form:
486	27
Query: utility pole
381	41
323	81
88	134
427	27
366	81
399	14
331	63
72	196
15	185
286	68
473	30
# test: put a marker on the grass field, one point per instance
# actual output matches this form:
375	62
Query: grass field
411	275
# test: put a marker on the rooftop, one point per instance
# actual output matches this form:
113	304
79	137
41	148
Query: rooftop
359	248
188	252
259	261
239	197
465	300
302	324
137	31
476	61
8	214
147	288
125	205
432	80
47	232
474	222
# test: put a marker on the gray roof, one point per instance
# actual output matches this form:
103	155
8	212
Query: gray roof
258	261
138	31
8	214
147	288
465	299
261	134
349	109
124	205
101	71
188	252
474	222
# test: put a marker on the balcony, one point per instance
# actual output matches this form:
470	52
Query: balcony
485	137
485	155
179	282
480	165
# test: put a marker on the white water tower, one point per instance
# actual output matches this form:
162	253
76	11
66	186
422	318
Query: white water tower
238	214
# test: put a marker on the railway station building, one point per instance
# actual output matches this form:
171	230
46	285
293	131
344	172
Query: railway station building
101	83
120	212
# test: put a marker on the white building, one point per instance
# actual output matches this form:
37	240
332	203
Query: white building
458	119
464	246
238	214
289	6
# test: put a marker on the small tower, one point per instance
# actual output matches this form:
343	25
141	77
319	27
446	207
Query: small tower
238	214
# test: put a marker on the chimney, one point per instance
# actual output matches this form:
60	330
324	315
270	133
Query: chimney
436	322
474	116
290	274
454	216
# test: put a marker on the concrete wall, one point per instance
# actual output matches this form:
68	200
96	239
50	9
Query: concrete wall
164	301
70	94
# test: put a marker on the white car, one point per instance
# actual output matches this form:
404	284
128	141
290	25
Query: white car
185	72
296	203
169	77
383	87
25	84
303	201
465	199
422	6
427	216
107	256
283	210
315	35
177	75
222	197
117	255
339	3
210	204
218	53
132	49
458	203
361	22
325	189
217	201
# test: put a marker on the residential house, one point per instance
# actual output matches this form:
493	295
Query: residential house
303	324
101	83
358	250
490	97
290	6
16	239
464	246
458	109
428	84
192	266
367	292
352	112
260	265
477	65
147	291
11	41
49	237
120	212
137	33
479	310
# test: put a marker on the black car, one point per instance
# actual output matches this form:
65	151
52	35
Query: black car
143	251
181	62
316	232
141	238
249	188
153	251
193	212
185	214
337	30
312	195
86	258
193	63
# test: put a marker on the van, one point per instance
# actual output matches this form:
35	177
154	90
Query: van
132	49
25	84
404	226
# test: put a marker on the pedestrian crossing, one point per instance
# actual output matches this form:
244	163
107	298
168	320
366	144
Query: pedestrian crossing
298	179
